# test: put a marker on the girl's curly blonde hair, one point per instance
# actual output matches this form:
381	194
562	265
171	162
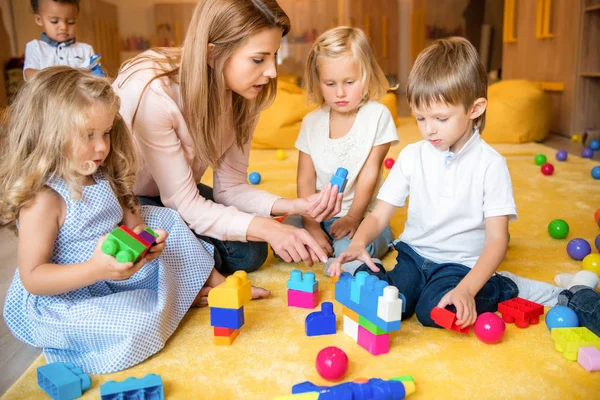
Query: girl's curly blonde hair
44	129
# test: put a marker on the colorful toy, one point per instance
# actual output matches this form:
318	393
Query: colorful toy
340	178
389	163
597	242
591	262
447	320
489	328
558	229
127	246
587	153
95	66
303	291
547	169
254	178
280	154
569	340
578	248
62	381
596	172
597	216
589	358
561	317
148	387
594	144
332	363
226	302
520	311
321	322
561	155
577	138
396	388
539	159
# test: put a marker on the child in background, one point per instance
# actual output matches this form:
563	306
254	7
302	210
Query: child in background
57	45
66	182
351	130
461	198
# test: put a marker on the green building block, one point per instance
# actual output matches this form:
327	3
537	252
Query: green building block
371	327
122	246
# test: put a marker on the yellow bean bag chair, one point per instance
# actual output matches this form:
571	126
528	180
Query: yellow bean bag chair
518	111
279	125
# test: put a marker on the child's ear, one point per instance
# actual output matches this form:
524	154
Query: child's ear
38	20
478	108
210	51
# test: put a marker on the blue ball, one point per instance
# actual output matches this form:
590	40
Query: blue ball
595	144
561	155
596	172
587	153
578	249
254	178
561	317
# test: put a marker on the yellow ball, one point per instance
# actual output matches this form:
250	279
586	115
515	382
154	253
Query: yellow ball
592	263
577	138
280	154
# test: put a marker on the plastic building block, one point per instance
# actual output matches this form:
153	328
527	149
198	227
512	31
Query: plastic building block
123	246
447	320
371	327
373	389
226	340
374	344
353	315
148	236
340	178
351	328
589	358
227	317
218	331
235	292
520	311
390	307
138	238
306	283
321	322
149	387
357	283
303	299
63	381
334	279
569	340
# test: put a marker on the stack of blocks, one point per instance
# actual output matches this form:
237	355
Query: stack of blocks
371	310
126	245
303	291
226	302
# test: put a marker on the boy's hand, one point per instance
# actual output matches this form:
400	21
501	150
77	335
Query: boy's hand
322	239
107	267
344	226
354	252
466	313
158	247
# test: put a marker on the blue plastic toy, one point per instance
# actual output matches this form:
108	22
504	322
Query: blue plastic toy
587	153
594	144
340	178
149	387
95	66
254	178
227	317
63	381
561	155
321	322
306	283
374	389
596	172
561	317
578	248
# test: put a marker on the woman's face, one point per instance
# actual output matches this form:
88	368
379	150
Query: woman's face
252	65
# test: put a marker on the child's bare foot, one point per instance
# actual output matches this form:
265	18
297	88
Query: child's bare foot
259	293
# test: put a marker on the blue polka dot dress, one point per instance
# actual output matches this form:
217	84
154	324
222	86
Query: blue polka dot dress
110	325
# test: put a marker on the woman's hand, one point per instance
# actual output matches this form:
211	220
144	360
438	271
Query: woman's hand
319	206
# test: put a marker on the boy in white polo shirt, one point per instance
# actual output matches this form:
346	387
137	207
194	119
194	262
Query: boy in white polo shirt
57	45
461	199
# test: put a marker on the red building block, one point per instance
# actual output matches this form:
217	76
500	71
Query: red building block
447	319
520	311
219	331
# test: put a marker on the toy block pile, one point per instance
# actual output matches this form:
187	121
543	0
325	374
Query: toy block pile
63	381
371	310
303	291
520	311
149	387
226	303
128	246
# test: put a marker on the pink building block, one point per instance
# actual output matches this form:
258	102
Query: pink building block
374	344
300	299
589	358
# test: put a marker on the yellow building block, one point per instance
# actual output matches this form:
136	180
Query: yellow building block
569	340
234	293
226	340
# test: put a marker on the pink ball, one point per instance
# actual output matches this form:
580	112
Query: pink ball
388	163
489	328
547	169
332	363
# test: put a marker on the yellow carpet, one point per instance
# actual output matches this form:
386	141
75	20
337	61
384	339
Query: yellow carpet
272	353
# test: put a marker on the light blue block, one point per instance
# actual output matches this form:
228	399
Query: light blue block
306	283
149	387
63	381
340	179
357	282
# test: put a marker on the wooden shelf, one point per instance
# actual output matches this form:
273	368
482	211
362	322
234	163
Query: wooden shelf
590	74
592	8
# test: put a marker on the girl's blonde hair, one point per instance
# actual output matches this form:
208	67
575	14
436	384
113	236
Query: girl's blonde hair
44	130
227	24
341	43
448	71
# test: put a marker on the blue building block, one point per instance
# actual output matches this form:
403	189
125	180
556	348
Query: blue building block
374	389
357	282
63	381
306	283
227	317
149	387
321	322
340	178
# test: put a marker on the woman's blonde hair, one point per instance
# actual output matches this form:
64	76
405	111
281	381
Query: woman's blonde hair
448	71
44	130
227	24
348	43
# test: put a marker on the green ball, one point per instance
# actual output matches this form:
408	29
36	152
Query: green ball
558	229
540	159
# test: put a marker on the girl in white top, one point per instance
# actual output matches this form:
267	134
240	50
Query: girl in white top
351	130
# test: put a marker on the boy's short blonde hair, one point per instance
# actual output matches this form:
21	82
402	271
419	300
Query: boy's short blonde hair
349	43
448	71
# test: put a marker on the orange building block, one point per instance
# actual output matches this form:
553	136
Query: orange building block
353	315
226	340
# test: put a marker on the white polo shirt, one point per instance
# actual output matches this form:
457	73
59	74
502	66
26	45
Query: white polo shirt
451	195
40	54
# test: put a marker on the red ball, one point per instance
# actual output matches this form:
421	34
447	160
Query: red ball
388	163
332	363
547	169
489	328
